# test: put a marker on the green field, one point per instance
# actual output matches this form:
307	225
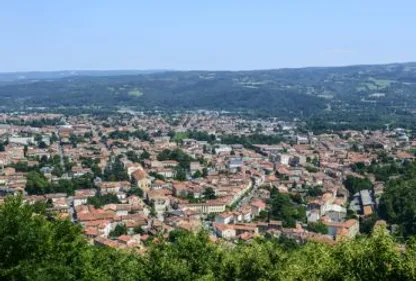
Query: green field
382	83
375	84
135	93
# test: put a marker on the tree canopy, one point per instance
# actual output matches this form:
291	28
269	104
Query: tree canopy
177	155
34	247
398	205
283	208
354	184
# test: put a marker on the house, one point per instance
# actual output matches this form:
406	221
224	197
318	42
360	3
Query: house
112	187
403	155
268	149
57	198
188	142
238	217
257	206
222	149
80	171
130	241
119	209
159	184
366	202
142	179
97	228
65	131
9	171
209	207
159	203
170	163
223	231
22	140
246	213
283	159
235	163
81	196
245	227
336	212
154	164
180	190
362	202
195	166
302	139
339	230
166	172
132	167
122	195
237	146
224	218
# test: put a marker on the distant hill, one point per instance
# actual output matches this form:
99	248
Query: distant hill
328	96
47	75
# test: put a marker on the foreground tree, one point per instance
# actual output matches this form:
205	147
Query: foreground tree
34	247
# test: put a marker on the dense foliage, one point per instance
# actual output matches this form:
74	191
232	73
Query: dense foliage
100	200
38	123
283	208
355	184
177	155
37	183
135	191
35	248
125	135
115	171
250	140
2	146
119	230
317	227
398	205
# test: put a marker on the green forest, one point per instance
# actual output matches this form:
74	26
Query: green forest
35	246
328	98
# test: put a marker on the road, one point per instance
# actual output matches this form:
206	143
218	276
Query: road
61	155
60	151
247	198
71	209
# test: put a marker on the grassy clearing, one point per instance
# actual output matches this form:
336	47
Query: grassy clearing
135	93
374	84
382	83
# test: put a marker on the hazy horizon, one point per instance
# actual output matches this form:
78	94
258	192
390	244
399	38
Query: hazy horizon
232	70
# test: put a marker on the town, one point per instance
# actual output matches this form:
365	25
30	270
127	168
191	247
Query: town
129	179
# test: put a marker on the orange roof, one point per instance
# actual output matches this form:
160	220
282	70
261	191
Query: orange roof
144	237
350	223
139	174
91	231
246	236
368	210
259	204
245	226
404	155
220	226
124	238
159	182
225	214
271	178
326	196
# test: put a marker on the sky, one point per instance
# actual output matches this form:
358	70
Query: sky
204	35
